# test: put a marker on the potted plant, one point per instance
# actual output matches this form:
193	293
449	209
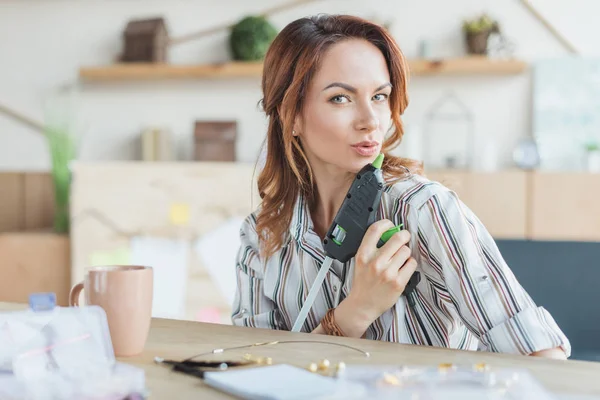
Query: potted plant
250	38
62	151
477	32
592	150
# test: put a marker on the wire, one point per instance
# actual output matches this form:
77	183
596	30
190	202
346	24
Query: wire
222	350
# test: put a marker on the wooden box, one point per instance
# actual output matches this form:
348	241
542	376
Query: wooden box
32	262
215	140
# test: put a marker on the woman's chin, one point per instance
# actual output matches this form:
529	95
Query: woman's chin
358	163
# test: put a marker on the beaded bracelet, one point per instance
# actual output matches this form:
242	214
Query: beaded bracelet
329	325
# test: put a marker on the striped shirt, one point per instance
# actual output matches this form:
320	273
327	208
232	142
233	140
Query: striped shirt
467	298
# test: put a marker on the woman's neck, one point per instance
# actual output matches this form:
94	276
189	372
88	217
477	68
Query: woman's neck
332	187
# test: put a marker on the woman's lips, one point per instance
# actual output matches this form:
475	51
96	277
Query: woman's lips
366	149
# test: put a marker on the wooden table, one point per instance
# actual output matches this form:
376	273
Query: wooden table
177	340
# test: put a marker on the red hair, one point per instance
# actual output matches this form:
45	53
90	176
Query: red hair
291	61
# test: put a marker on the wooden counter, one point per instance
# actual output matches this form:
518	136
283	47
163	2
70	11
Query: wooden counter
181	339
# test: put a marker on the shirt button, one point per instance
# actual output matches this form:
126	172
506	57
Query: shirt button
335	288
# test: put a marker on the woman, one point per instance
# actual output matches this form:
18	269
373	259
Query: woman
334	88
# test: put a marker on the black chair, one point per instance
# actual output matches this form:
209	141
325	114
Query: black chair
564	278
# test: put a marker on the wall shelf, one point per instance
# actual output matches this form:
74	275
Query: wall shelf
467	66
149	71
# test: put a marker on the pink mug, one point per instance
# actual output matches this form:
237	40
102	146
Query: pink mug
125	294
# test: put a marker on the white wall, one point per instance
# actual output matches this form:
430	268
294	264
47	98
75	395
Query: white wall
43	43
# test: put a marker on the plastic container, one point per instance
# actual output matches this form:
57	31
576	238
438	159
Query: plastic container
62	353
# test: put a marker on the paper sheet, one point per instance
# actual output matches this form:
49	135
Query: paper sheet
120	256
179	214
280	382
218	251
169	260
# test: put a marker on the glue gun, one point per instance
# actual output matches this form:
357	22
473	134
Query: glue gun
356	214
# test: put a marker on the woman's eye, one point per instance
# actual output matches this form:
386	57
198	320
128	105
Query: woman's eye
339	99
380	97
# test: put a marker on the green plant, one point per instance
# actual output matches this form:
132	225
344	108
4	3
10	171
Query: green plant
483	23
62	151
592	146
250	38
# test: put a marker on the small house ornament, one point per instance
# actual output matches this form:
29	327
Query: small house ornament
449	134
145	40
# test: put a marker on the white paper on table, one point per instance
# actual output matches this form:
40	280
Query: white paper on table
217	250
169	260
282	382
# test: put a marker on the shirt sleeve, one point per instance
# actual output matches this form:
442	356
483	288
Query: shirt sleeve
251	307
489	299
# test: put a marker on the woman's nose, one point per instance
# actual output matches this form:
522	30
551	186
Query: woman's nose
368	122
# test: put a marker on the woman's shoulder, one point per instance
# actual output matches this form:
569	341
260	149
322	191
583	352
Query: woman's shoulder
416	190
248	233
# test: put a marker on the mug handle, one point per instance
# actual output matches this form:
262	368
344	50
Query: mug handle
74	295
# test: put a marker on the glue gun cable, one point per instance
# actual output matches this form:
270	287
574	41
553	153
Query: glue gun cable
312	294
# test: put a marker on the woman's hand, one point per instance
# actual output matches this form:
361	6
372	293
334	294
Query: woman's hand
380	276
556	353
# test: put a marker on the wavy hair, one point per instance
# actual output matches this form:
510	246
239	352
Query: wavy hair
291	61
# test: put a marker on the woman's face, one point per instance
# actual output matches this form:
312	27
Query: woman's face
346	110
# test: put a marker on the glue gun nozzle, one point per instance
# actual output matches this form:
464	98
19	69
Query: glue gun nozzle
378	161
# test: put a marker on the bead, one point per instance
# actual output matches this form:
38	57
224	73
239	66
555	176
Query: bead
312	367
248	356
390	379
324	364
268	361
444	367
481	367
340	368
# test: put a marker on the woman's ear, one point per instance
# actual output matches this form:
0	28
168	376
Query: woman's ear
297	126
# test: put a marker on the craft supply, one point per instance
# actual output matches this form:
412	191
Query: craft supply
446	367
324	365
339	368
344	236
61	353
199	368
260	344
481	367
389	379
445	381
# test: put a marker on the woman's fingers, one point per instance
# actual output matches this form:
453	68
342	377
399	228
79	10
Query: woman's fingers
393	245
368	245
397	261
405	273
